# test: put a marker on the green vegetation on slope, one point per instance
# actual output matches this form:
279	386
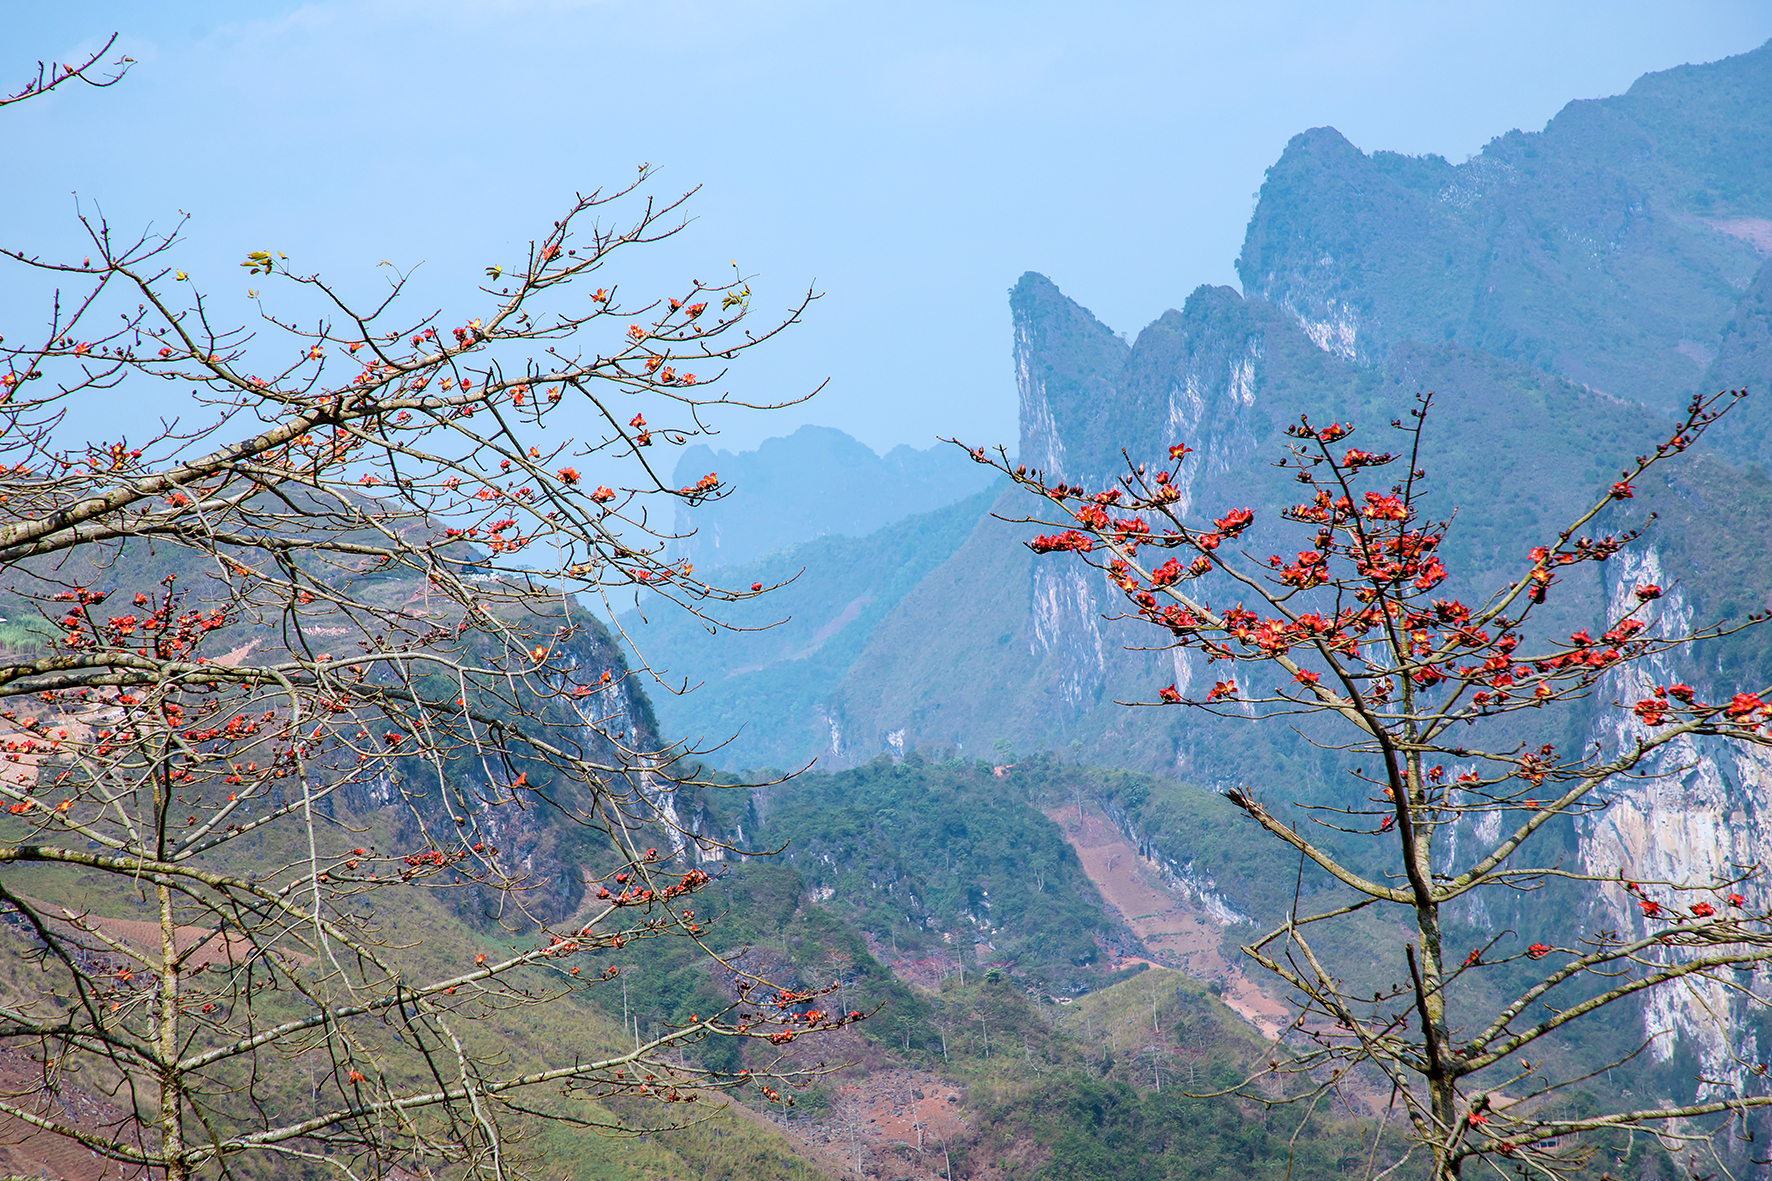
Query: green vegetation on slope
428	936
764	672
944	858
1124	1095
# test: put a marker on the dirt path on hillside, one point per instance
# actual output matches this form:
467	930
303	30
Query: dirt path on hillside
1177	934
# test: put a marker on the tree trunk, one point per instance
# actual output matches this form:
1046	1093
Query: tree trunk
172	1139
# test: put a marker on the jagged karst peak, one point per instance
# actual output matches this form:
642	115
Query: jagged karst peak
1609	248
1088	400
1065	362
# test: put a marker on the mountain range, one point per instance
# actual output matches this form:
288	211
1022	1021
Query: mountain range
1561	295
816	482
1562	292
988	813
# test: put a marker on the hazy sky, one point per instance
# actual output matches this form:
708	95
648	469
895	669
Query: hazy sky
909	160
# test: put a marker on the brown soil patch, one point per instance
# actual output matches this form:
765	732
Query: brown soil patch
144	935
1177	934
925	972
28	1152
1755	231
894	1123
233	656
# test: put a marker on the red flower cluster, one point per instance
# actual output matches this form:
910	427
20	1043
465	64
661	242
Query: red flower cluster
1068	540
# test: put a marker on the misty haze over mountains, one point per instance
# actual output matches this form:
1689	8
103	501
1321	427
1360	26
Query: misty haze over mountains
959	804
815	482
1613	262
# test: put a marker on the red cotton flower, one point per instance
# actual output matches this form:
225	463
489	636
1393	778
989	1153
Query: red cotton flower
1652	711
1650	908
1222	689
1383	508
1234	522
1537	951
1736	900
1648	591
1743	706
1068	540
1703	909
1169	696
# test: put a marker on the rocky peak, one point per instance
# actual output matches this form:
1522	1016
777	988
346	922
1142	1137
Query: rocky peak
1066	364
1088	400
1609	248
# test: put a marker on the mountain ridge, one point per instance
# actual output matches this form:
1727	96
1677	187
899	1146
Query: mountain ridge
1609	248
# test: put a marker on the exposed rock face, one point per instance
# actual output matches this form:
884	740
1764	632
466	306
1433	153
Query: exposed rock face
1066	628
1622	248
418	798
992	645
1088	403
1700	817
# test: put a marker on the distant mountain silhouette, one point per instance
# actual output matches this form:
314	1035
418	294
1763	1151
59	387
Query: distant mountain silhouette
816	481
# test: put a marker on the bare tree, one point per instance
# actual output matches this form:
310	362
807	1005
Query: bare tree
1437	701
278	677
91	70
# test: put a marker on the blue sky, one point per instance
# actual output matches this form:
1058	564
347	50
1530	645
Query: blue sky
909	160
